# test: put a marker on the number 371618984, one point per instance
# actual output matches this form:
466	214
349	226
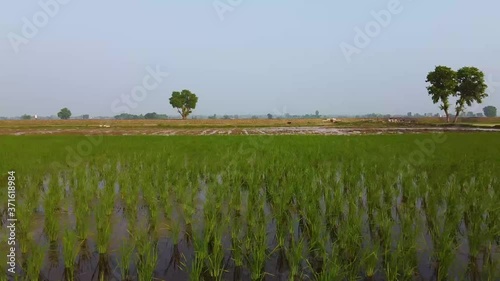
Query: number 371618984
11	188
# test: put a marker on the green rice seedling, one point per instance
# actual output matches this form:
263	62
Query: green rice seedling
491	260
176	229
235	197
70	252
166	200
237	253
476	222
154	220
257	248
213	238
215	261
334	212
148	258
103	234
35	261
237	235
442	223
53	255
444	253
150	198
82	223
200	256
295	257
103	267
370	260
406	246
407	262
282	225
130	198
23	243
189	207
82	204
25	214
373	207
391	267
318	233
333	269
82	210
25	218
126	255
350	239
51	205
140	239
51	224
103	221
103	216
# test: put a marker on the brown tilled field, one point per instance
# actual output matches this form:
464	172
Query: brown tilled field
345	126
175	123
217	123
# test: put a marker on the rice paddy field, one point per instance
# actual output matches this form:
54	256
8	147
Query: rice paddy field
366	207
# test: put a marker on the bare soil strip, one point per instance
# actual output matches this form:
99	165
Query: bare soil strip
232	131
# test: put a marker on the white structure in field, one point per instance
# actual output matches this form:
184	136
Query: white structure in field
333	120
36	116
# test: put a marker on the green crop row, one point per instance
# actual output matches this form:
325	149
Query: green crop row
316	207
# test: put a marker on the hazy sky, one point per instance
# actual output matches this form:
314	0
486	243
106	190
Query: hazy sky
247	57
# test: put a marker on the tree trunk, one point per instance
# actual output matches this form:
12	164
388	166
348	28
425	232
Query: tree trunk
456	117
184	113
447	116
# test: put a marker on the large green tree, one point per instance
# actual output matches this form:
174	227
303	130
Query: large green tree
443	84
184	102
490	111
64	114
471	88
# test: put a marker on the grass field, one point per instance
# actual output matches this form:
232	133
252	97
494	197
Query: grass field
404	207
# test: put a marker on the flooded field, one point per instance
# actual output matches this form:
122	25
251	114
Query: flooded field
257	207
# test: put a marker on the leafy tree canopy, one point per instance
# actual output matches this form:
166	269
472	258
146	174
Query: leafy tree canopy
443	84
471	88
490	111
184	102
64	114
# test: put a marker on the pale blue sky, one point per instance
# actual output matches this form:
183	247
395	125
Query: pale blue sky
264	56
